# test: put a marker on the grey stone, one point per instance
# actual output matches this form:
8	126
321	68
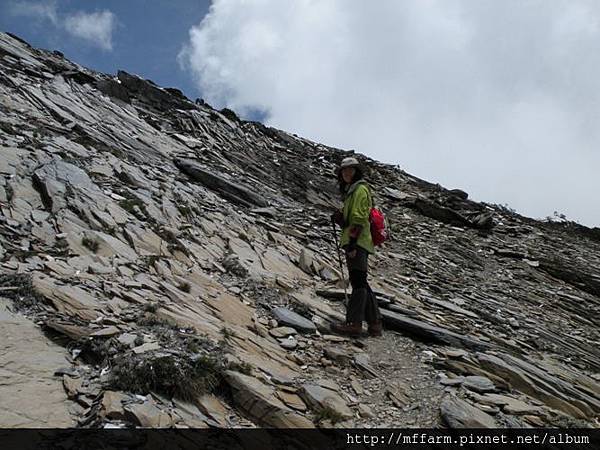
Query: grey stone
148	415
111	406
478	384
452	381
319	397
286	317
457	413
211	179
53	179
339	355
282	332
289	344
147	347
429	332
306	261
127	339
259	401
106	332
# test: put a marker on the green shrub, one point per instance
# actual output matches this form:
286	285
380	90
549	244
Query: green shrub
91	244
171	375
328	413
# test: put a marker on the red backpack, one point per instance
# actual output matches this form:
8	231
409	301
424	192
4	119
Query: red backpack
379	233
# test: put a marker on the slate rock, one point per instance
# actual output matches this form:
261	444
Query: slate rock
111	406
478	384
211	179
457	413
147	347
428	332
282	332
289	344
319	397
258	400
148	415
294	320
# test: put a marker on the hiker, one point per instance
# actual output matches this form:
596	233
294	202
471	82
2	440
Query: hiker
358	244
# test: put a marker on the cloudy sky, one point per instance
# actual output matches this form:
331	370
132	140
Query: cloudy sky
499	98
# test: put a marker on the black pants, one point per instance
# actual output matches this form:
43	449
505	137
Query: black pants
363	303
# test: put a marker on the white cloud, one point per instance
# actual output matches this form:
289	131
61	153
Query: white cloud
498	98
96	27
38	10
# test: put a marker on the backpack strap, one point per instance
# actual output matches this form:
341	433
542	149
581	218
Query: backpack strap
370	195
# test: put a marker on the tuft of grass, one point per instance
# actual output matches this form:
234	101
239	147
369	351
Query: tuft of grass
185	210
130	203
151	259
230	114
564	421
328	413
7	128
165	235
151	307
185	286
170	375
228	333
10	192
116	152
192	346
178	247
92	244
151	320
19	288
242	367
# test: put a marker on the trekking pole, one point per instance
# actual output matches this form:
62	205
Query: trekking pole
337	245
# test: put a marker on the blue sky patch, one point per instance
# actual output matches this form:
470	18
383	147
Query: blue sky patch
142	37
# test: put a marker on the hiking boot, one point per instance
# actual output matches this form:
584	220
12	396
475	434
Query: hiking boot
349	329
375	329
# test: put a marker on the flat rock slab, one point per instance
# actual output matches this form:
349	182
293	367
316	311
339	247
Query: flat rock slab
534	382
282	332
289	343
209	177
457	413
53	179
259	401
428	332
106	332
213	408
32	397
319	398
147	347
291	319
512	405
148	415
112	405
478	384
70	300
339	355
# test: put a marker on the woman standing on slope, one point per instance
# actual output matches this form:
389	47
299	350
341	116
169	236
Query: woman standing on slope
358	244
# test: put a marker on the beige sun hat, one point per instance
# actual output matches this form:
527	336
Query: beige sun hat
347	162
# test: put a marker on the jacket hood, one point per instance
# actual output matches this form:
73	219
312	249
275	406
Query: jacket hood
354	185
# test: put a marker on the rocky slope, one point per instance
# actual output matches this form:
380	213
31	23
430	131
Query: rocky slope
173	265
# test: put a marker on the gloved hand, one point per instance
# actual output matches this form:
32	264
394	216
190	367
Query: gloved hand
351	248
338	217
355	231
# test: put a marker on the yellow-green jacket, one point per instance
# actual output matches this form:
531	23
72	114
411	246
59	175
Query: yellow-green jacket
357	207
